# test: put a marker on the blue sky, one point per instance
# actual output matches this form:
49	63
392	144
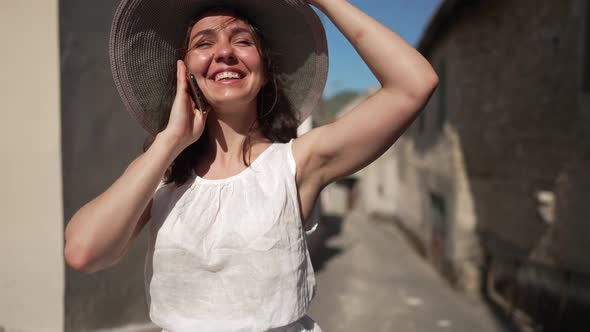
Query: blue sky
347	71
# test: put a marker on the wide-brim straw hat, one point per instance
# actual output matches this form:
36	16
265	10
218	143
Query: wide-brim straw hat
146	36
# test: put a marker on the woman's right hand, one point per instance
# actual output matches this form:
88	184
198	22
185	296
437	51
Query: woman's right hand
186	123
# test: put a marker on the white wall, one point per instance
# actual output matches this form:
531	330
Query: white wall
31	240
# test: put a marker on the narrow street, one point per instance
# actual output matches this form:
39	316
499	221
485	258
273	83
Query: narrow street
369	279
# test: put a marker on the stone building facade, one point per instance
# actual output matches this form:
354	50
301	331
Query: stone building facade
492	174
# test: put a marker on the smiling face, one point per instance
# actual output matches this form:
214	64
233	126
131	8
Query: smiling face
223	54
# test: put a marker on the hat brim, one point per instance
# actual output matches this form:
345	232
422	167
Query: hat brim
146	36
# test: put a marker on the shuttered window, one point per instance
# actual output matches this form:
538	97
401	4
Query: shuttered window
586	63
442	94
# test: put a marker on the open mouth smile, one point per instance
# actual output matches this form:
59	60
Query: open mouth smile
227	75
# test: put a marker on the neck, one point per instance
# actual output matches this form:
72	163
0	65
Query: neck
227	129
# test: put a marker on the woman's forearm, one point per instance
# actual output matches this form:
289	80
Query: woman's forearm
98	233
394	62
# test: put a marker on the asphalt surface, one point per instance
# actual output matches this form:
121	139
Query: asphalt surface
370	279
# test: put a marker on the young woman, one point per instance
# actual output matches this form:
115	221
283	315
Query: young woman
226	188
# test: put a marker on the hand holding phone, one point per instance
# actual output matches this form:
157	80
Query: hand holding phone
196	93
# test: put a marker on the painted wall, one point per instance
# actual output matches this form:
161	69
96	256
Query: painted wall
31	240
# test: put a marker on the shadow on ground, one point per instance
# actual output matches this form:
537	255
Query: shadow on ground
321	252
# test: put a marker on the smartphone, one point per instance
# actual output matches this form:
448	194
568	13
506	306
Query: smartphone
197	94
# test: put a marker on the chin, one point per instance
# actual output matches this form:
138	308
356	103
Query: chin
233	99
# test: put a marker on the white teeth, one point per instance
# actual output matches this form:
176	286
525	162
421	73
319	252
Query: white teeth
226	74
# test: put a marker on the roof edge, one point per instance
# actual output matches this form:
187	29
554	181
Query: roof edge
439	23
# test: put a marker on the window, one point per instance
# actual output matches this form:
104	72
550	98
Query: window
586	59
439	232
442	94
421	122
439	209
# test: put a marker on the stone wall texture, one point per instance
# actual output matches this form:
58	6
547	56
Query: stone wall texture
494	172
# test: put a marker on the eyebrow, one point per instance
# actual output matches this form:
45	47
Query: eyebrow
234	31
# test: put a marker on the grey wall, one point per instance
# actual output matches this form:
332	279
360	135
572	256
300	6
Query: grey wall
99	140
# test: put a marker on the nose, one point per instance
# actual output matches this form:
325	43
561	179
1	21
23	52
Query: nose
224	52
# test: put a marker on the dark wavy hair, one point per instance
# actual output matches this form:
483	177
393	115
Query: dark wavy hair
276	118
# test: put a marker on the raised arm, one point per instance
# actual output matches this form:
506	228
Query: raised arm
359	137
99	234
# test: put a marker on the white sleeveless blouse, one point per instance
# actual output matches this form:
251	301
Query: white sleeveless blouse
231	254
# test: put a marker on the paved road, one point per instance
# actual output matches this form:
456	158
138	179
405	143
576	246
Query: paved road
369	279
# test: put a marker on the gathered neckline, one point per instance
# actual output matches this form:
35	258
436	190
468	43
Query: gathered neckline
235	176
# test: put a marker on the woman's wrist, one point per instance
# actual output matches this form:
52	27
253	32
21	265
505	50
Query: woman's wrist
169	145
322	4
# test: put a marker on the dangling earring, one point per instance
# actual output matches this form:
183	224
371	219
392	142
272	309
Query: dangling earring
261	102
274	103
